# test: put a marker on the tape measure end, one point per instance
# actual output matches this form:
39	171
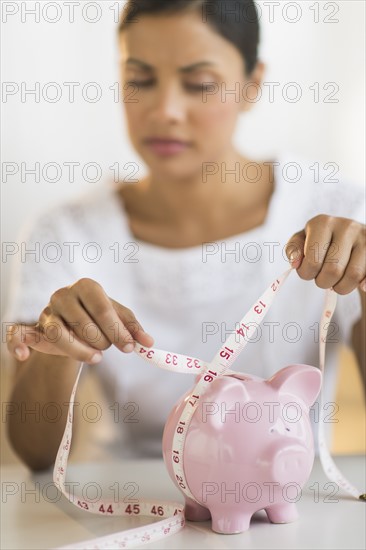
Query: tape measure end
363	497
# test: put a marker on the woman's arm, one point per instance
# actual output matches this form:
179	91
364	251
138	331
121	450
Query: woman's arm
49	353
359	339
39	381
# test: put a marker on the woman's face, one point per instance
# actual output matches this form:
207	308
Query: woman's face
174	122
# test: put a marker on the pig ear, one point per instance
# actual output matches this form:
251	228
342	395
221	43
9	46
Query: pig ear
303	381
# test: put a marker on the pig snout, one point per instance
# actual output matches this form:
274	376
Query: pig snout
292	463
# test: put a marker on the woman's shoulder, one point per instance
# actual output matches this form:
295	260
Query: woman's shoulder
316	187
89	212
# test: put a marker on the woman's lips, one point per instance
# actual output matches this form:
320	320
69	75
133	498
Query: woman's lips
166	147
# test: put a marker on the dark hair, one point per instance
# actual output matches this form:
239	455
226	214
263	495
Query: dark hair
235	20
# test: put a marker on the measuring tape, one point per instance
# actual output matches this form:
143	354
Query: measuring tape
172	513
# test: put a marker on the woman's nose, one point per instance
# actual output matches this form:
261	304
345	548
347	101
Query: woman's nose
169	104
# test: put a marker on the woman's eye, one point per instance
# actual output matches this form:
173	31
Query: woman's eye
204	87
141	83
151	81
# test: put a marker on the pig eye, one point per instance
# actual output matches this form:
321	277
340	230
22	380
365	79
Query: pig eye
271	430
288	429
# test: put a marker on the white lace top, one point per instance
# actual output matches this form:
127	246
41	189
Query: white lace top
187	299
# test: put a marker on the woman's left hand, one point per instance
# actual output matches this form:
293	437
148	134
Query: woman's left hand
332	251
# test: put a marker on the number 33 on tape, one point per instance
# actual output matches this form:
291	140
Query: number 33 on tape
172	513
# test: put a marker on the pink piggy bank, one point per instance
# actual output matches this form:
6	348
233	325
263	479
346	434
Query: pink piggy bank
249	447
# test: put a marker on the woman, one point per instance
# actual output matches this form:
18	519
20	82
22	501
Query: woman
186	250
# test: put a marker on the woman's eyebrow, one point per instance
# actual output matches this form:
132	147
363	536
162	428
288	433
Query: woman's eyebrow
187	69
199	65
142	64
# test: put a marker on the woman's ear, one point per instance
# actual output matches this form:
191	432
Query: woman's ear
251	92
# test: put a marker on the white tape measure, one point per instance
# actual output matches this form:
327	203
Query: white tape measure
172	513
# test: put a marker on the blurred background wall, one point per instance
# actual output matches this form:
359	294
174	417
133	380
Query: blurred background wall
319	46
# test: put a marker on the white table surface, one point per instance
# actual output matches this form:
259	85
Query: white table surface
31	520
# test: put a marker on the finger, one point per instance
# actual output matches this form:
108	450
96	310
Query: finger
99	306
295	249
66	306
338	256
56	340
335	262
318	239
133	325
354	273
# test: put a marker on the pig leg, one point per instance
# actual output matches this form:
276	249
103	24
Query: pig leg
283	512
229	521
195	512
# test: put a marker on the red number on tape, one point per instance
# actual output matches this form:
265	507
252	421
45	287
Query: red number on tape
135	509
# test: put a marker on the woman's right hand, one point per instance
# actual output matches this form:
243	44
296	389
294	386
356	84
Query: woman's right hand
79	322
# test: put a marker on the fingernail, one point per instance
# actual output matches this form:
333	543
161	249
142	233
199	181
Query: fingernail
292	254
128	348
19	353
363	286
96	358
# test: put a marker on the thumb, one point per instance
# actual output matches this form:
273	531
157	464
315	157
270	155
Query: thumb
295	249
